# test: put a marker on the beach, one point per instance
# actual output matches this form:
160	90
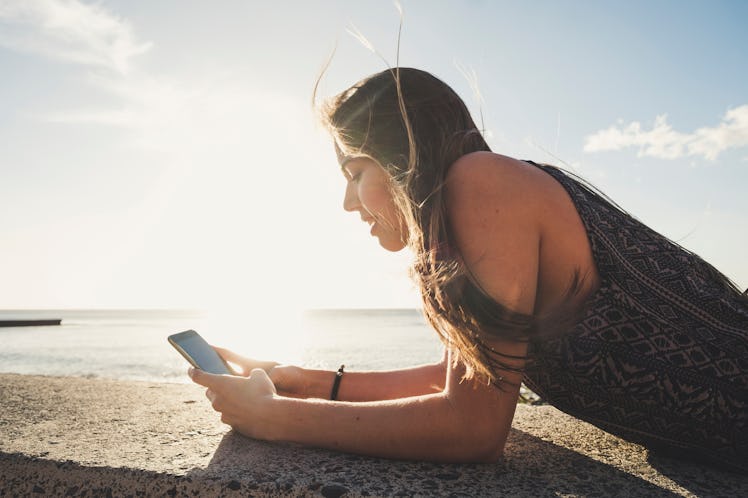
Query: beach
68	436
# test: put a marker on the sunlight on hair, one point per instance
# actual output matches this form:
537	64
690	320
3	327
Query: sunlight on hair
552	155
472	78
399	8
358	35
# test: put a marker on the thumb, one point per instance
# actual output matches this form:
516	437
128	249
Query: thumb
259	373
261	377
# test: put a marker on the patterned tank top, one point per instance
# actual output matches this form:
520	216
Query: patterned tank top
659	355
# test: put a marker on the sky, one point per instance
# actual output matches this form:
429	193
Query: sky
166	154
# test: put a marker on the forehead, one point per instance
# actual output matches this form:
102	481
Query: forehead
344	158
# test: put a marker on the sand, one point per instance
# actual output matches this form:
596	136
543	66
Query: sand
93	437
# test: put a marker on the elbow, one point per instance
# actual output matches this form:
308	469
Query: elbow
481	443
483	435
487	450
477	452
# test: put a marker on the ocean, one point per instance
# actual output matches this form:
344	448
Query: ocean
132	345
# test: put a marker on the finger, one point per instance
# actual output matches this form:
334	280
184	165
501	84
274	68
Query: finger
258	373
226	354
217	404
227	419
205	379
246	363
238	363
259	377
229	355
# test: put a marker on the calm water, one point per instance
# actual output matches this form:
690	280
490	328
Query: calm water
131	345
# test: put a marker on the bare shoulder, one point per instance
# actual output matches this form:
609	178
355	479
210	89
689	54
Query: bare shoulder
517	229
496	189
491	184
493	174
483	160
493	204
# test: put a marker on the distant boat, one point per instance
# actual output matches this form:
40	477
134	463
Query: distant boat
29	323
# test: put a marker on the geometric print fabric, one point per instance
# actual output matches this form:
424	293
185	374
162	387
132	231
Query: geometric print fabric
660	353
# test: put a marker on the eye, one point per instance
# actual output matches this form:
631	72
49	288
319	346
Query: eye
352	175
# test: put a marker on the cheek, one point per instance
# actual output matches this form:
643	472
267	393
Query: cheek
377	200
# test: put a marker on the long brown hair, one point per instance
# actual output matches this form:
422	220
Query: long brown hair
415	126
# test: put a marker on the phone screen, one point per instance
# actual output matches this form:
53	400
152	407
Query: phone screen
198	352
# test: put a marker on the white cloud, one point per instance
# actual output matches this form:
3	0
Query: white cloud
162	112
69	30
662	142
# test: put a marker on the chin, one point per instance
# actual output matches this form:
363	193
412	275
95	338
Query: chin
392	245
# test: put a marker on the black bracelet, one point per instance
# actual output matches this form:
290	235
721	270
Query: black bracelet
336	383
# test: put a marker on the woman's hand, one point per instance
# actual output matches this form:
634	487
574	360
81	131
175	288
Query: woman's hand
243	402
286	378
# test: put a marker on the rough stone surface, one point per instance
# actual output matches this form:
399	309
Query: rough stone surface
84	437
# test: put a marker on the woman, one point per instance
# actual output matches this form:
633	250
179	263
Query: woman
528	275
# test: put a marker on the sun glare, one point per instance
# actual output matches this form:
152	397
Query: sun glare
261	331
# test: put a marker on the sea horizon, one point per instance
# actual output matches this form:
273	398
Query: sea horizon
130	344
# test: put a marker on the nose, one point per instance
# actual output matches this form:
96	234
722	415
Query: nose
350	201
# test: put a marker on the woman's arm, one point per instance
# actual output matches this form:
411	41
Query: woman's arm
466	422
494	214
297	382
362	386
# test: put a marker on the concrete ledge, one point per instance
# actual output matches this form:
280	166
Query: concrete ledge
83	437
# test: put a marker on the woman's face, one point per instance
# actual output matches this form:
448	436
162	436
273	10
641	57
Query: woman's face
368	192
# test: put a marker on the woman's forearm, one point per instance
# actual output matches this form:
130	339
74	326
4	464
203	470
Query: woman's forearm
429	427
375	386
297	382
466	421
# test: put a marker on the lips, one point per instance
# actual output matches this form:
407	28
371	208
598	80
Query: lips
372	223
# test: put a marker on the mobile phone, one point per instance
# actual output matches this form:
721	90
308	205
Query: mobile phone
193	347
